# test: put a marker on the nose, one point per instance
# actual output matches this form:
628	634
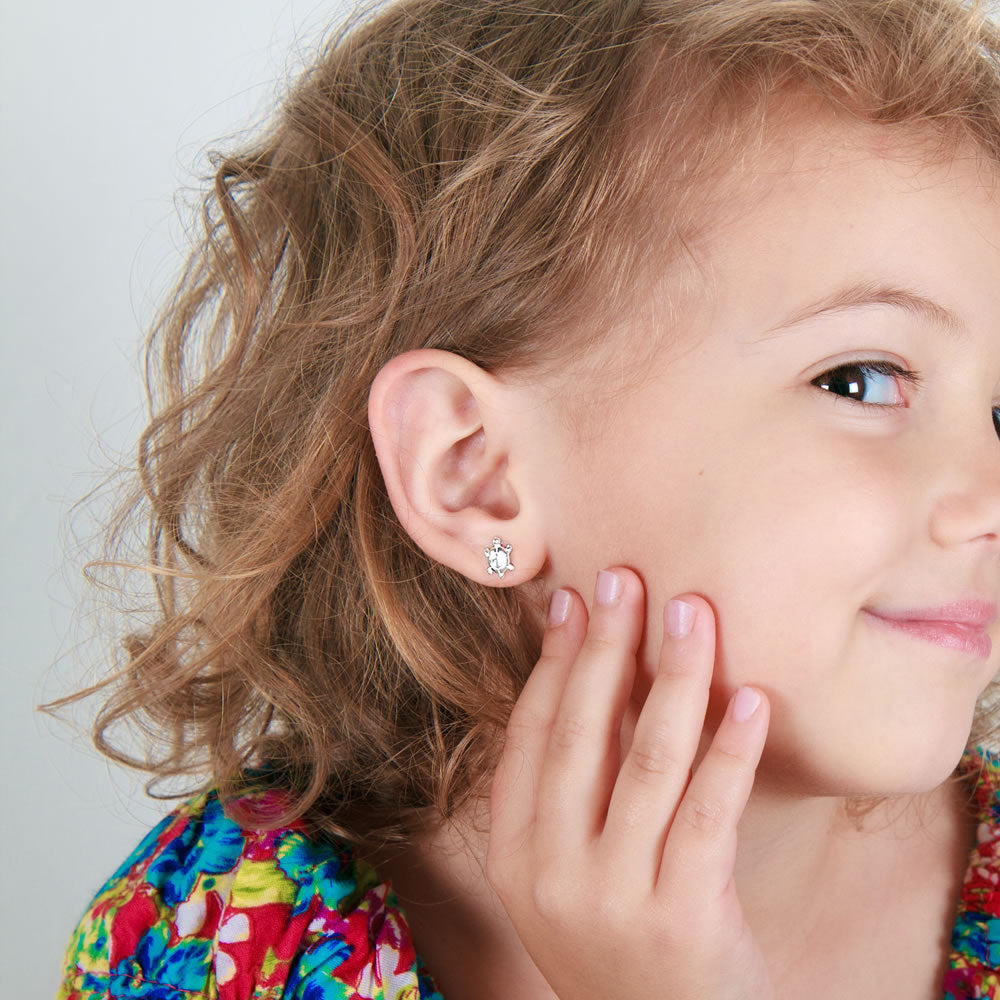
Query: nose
968	507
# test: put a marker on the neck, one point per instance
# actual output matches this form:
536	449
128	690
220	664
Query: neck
806	867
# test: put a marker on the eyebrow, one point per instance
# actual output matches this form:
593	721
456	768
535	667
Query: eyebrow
867	293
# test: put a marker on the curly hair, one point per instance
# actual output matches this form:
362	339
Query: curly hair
470	175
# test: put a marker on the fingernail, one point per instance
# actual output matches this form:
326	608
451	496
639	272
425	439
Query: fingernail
559	607
609	587
680	618
745	704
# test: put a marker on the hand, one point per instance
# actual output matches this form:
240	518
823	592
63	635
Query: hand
618	873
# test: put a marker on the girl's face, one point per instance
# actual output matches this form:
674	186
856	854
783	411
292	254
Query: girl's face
777	459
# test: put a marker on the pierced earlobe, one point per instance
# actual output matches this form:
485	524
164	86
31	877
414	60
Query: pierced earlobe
498	559
453	443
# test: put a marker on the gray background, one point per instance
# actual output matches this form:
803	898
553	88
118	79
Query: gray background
106	110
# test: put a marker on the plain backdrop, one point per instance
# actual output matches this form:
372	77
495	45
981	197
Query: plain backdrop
107	108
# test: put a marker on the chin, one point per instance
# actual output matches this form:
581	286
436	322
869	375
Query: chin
918	764
891	764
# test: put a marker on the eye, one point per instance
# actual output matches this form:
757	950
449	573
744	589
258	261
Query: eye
870	383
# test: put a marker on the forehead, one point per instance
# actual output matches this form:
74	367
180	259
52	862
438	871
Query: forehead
814	205
820	201
809	163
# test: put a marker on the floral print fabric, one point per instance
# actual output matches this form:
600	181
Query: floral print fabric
203	908
974	964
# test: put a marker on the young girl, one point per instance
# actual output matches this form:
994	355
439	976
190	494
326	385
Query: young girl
573	488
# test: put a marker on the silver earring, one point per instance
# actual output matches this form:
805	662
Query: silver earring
498	559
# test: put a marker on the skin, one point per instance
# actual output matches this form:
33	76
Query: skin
783	513
793	509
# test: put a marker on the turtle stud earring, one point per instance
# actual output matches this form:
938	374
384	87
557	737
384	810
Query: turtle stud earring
498	558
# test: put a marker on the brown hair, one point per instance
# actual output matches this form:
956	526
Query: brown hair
470	175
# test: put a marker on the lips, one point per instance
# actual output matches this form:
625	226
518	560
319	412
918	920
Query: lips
971	613
959	625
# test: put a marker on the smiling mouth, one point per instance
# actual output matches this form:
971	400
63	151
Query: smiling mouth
962	638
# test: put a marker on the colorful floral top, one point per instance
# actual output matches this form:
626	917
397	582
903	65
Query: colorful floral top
974	966
203	908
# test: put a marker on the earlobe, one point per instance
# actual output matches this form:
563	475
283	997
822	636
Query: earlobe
444	433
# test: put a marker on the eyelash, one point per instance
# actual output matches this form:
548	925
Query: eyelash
912	379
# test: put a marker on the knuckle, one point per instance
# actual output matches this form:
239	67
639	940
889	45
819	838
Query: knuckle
608	909
651	760
670	935
728	762
568	732
548	897
725	758
549	659
526	719
600	644
703	816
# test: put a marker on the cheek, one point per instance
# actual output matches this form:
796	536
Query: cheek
796	544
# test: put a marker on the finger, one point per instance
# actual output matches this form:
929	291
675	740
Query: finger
657	766
514	789
582	756
700	851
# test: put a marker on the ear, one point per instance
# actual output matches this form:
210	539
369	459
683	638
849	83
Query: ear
444	433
